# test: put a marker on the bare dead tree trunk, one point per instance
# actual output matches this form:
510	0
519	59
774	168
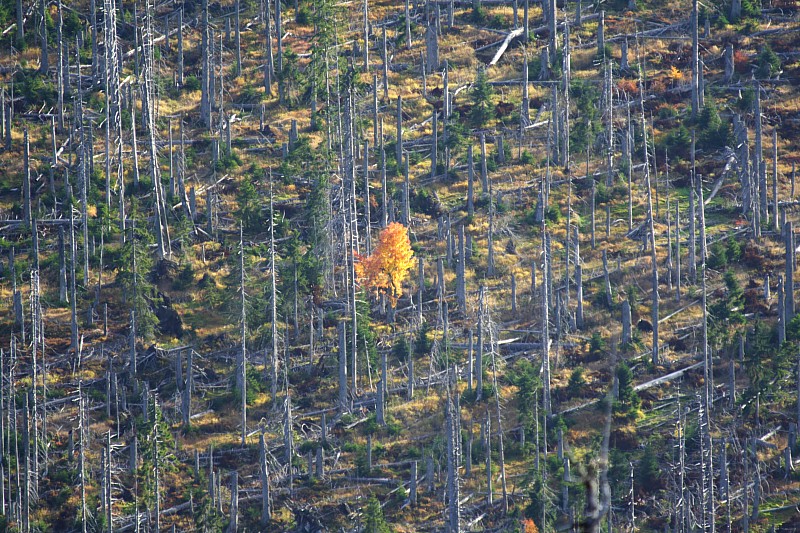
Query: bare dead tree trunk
479	359
695	62
233	526
601	30
82	428
26	179
789	305
488	451
266	509
431	49
399	139
279	38
366	36
545	323
237	9
470	182
20	24
760	168
453	493
44	63
343	403
205	52
736	10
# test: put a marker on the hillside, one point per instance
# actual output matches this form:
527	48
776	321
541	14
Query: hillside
399	266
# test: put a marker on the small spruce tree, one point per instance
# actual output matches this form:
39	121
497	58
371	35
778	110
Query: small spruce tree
374	522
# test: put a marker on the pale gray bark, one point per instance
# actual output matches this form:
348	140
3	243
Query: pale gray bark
410	384
241	361
188	385
73	292
20	24
695	61
274	356
233	526
729	63
412	491
789	305
736	10
775	225
320	462
269	65
343	403
366	36
434	143
408	25
279	39
488	452
26	179
431	49
453	492
206	95
607	280
461	293
479	359
484	171
470	182
759	166
601	41
381	396
44	63
399	136
545	323
238	44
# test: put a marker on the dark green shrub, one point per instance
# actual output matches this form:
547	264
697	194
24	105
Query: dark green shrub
553	214
526	158
648	471
768	62
577	382
185	278
719	256
401	350
597	345
191	83
628	400
303	16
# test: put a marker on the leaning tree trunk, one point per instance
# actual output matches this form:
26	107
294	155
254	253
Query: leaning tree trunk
651	230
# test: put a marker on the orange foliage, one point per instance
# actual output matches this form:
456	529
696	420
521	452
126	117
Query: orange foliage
628	86
657	86
675	74
528	526
387	266
741	61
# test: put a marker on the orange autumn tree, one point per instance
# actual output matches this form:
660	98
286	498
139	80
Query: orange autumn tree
387	266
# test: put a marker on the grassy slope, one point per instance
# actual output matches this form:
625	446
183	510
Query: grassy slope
421	418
